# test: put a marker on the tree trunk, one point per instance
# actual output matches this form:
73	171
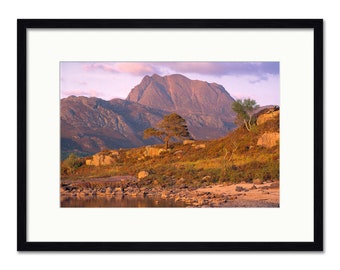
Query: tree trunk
166	141
246	124
249	123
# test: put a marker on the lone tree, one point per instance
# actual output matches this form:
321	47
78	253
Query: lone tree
244	109
172	126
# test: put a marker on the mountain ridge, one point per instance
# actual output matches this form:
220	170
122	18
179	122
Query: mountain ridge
89	125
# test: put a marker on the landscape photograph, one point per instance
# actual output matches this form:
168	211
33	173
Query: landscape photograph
170	134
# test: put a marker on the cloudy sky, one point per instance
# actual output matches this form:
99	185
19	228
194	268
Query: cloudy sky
107	80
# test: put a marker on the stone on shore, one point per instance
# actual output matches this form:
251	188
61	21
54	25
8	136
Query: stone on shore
257	181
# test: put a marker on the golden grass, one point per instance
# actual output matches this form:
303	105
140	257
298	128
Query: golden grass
234	158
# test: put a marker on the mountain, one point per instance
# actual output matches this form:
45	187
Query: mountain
207	107
89	125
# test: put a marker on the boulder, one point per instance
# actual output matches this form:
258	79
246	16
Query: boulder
164	195
257	181
200	146
188	142
142	174
100	160
240	189
153	151
108	190
269	139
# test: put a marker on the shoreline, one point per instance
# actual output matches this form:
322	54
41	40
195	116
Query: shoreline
266	194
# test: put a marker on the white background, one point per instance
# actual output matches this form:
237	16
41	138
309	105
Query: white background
179	9
293	221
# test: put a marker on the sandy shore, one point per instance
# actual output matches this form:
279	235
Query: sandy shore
245	194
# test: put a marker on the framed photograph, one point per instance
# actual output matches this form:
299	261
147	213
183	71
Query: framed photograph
170	135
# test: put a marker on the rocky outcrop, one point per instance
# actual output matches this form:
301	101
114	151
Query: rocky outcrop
269	139
153	151
102	159
261	119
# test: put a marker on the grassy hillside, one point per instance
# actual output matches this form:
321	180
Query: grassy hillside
232	159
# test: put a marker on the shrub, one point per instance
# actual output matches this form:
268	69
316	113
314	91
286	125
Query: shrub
71	164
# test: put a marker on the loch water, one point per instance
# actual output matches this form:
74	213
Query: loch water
125	201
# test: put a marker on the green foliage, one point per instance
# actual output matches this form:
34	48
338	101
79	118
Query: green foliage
64	154
250	171
172	126
152	132
71	164
244	109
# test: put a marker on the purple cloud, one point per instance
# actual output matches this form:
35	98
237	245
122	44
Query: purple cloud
225	68
133	68
136	68
108	67
258	69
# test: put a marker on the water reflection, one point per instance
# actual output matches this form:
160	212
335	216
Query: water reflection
126	201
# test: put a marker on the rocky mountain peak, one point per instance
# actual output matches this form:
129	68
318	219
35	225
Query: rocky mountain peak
178	93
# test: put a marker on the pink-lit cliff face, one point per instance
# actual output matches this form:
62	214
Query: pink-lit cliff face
107	80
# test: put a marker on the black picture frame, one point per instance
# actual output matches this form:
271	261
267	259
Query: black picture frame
316	25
